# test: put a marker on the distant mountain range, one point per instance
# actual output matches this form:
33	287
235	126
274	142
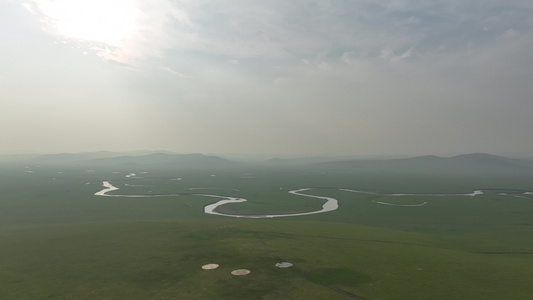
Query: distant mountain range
460	164
119	159
68	158
164	159
475	163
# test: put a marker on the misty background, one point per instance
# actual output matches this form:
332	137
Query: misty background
297	77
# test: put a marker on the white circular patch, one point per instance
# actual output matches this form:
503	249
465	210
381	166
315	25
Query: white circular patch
284	265
210	266
240	272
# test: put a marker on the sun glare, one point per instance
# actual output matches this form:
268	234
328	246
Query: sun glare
109	22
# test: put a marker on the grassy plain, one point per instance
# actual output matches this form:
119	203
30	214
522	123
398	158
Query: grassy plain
59	241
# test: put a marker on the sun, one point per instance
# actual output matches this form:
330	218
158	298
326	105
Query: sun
109	22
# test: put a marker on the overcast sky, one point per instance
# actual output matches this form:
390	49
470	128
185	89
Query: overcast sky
239	76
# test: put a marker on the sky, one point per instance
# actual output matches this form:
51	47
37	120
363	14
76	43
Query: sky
313	77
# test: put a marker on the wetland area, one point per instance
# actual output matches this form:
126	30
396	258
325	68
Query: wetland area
133	231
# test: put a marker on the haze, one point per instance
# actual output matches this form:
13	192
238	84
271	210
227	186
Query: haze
296	77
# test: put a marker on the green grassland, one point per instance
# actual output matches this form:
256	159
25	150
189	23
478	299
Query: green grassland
59	241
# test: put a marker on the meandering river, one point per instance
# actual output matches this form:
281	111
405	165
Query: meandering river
330	204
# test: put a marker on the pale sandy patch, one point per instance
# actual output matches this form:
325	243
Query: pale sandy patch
240	272
210	266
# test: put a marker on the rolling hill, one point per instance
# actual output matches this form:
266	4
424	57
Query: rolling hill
163	159
475	163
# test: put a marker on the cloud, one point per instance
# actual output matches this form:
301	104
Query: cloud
170	70
510	33
349	58
119	30
283	30
385	71
391	55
